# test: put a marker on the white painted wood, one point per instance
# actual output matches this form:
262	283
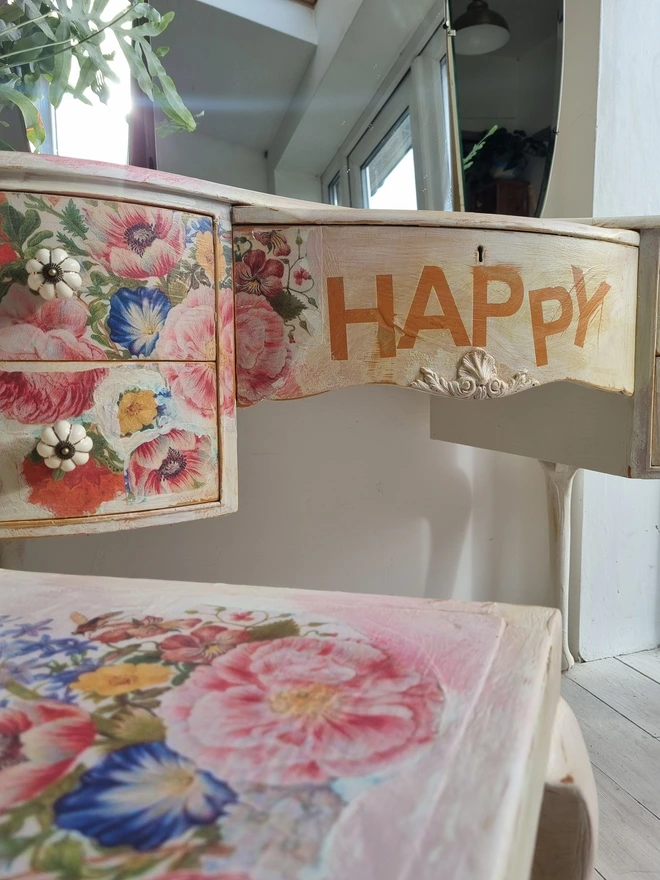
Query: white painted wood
317	215
643	455
559	485
624	689
568	825
647	662
27	173
617	747
629	842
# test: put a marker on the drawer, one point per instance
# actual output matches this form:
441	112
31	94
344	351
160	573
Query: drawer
141	437
86	280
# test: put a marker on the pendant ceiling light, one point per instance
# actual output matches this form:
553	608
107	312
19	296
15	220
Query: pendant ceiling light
480	30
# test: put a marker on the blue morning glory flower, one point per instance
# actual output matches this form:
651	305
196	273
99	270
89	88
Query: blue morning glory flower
136	318
30	629
15	648
195	226
10	671
50	646
142	796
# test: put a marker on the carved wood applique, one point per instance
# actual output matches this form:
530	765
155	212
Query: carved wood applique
476	379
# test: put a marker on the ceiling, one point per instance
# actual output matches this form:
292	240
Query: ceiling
530	21
242	74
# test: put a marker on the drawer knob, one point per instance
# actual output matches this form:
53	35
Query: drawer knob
64	446
53	274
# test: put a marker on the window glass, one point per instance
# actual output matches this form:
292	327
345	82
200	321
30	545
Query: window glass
333	191
98	131
388	175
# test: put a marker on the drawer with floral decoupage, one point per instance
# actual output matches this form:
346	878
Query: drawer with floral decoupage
87	279
83	440
117	397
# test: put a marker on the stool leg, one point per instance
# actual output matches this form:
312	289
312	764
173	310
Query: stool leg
559	485
568	825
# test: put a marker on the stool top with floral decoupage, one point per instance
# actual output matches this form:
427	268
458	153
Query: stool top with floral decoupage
186	731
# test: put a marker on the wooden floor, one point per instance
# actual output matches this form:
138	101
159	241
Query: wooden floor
617	703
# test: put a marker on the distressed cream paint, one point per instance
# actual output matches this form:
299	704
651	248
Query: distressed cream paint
391	301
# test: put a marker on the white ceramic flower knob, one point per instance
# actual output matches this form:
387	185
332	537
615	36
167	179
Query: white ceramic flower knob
54	274
64	446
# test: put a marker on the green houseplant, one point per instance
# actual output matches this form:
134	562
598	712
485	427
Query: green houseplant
57	44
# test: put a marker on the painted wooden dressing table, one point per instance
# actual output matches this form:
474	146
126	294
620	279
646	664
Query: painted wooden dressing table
139	308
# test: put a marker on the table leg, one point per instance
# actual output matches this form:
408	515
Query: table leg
568	825
559	484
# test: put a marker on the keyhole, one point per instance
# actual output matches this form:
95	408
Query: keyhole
480	253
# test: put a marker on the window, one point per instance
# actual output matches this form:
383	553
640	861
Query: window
404	153
382	164
388	175
333	190
96	131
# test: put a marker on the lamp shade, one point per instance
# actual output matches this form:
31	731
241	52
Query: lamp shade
480	30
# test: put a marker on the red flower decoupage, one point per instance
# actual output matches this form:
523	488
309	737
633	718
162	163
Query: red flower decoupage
258	274
39	742
39	398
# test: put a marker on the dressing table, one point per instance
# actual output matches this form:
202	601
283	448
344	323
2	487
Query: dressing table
138	310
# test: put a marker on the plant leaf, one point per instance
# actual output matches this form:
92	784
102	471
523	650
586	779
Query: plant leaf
70	246
33	124
29	225
73	220
64	857
287	305
59	83
278	629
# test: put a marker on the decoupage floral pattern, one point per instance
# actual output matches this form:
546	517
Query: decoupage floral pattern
221	743
151	447
276	311
147	273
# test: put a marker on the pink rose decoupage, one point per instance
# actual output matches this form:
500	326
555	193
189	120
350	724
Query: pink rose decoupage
278	310
262	738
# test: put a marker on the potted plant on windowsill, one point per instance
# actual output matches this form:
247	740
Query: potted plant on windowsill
54	47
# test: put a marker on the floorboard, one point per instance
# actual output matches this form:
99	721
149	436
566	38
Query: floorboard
624	689
617	703
629	835
617	747
648	663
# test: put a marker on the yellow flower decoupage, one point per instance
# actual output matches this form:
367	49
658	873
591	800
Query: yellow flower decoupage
205	252
109	681
137	409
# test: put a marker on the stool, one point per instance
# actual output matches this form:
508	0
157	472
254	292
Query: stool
180	731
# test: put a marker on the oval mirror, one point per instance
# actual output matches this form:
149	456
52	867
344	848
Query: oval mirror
507	62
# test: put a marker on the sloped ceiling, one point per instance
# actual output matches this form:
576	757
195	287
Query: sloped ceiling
242	74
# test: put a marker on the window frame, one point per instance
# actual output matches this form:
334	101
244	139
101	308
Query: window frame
435	131
398	104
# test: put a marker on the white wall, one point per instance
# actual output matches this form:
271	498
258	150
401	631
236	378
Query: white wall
348	492
196	155
620	595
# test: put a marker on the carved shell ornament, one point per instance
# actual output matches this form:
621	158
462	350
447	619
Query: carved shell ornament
476	379
53	274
